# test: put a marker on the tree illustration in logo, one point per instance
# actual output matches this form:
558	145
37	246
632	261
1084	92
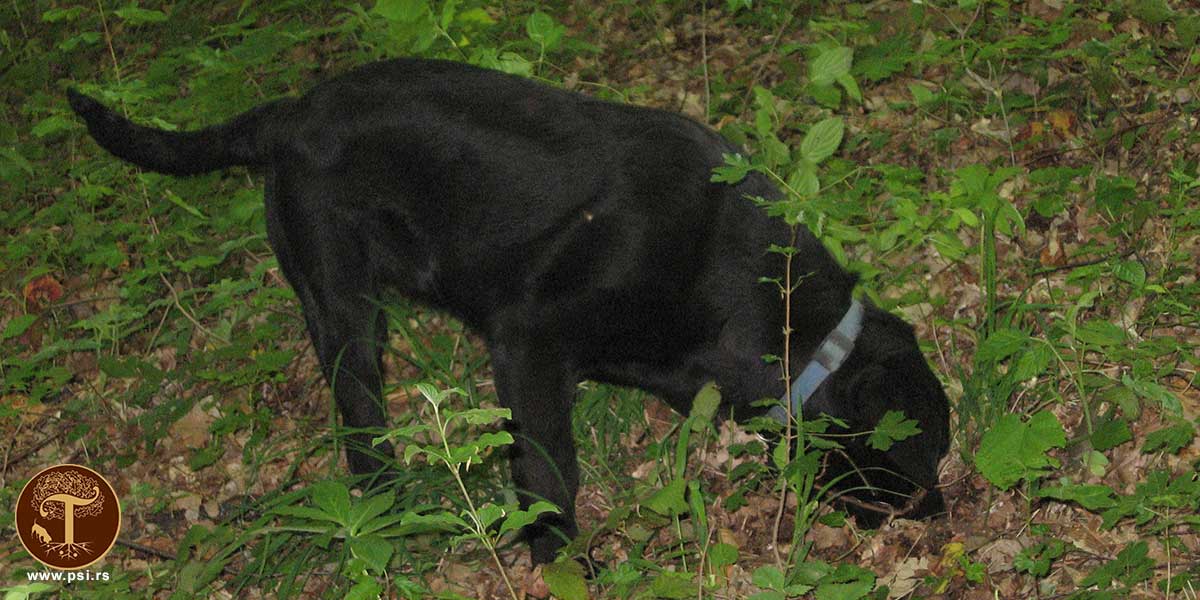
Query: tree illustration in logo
67	496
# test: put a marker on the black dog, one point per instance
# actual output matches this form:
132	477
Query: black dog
581	238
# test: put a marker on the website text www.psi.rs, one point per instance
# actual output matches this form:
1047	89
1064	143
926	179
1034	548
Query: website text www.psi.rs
67	576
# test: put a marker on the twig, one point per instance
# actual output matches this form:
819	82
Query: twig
788	436
1085	263
887	509
11	462
144	549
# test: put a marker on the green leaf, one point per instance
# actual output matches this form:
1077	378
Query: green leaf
543	30
1131	272
735	169
854	590
52	125
488	514
1170	439
1154	392
1154	12
181	203
669	500
333	498
521	518
893	427
851	86
366	588
15	159
1091	497
722	555
401	11
139	16
363	512
565	579
1032	362
1001	344
373	550
62	14
1036	559
803	179
704	407
17	325
822	140
921	94
1131	566
830	65
1013	450
768	577
1110	434
846	582
448	13
1100	333
438	521
304	512
676	586
484	416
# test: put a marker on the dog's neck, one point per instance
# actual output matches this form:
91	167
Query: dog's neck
825	360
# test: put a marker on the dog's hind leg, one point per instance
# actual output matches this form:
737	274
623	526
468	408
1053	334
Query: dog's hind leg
324	259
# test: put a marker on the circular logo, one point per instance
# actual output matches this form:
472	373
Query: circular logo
68	517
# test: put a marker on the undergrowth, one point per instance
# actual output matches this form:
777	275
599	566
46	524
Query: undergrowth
1017	178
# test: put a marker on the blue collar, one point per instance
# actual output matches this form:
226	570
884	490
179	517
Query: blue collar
828	357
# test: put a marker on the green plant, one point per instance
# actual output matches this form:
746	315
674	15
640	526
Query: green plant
476	521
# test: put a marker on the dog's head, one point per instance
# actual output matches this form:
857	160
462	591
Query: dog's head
887	372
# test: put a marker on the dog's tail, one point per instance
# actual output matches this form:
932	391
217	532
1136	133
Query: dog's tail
239	141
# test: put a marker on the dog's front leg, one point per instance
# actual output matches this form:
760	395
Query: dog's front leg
535	383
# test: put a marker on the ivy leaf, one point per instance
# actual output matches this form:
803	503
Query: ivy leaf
1013	450
893	427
